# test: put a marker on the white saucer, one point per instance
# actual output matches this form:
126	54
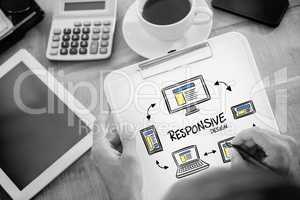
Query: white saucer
149	47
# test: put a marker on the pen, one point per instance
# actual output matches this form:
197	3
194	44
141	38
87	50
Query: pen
252	159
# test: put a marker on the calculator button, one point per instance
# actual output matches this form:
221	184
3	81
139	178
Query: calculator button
97	23
104	43
55	45
57	31
74	44
95	37
103	50
85	37
66	37
106	30
73	51
65	44
75	37
94	47
63	51
76	30
77	24
53	52
83	44
105	36
86	30
87	23
83	50
96	30
67	31
107	23
55	38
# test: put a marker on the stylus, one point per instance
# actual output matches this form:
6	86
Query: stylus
252	160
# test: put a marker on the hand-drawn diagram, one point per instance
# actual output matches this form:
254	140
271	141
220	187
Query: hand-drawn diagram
188	161
186	95
151	140
224	147
243	109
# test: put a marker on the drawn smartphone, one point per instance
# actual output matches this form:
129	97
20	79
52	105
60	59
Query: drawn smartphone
224	147
151	140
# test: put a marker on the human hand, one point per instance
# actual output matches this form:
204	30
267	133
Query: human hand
282	152
121	172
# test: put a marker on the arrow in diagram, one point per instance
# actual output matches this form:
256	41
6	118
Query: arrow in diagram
148	115
162	167
228	87
212	152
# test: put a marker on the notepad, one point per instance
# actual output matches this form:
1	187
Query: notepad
192	119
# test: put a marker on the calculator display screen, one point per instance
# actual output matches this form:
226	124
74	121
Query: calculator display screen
89	5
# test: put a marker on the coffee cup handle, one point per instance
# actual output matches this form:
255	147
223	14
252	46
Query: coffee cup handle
200	11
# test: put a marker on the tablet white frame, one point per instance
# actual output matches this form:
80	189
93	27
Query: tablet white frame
71	155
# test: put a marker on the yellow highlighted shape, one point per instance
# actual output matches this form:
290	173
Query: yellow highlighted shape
227	153
150	143
183	158
180	99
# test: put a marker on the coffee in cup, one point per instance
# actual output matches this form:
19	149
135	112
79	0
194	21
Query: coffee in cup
15	6
165	12
170	19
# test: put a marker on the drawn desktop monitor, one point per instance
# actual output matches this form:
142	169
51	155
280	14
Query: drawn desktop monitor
188	161
186	95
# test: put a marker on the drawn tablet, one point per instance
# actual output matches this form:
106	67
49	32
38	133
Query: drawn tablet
151	140
243	109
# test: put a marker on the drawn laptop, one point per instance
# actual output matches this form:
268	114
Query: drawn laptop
188	161
269	12
44	129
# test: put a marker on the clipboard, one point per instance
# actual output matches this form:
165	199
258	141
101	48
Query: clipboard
195	126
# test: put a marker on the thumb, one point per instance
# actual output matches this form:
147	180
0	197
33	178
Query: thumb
102	149
128	140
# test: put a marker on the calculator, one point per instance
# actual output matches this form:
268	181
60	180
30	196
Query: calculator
82	30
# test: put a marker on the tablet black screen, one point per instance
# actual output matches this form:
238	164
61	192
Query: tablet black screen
269	12
36	128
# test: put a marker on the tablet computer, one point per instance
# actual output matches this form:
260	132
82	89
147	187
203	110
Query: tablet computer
269	12
43	128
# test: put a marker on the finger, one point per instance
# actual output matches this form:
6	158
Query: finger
236	159
129	144
112	134
279	163
243	136
258	136
102	149
249	143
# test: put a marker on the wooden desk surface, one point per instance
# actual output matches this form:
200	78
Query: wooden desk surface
277	51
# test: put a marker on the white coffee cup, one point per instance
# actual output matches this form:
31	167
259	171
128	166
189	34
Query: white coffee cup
198	15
